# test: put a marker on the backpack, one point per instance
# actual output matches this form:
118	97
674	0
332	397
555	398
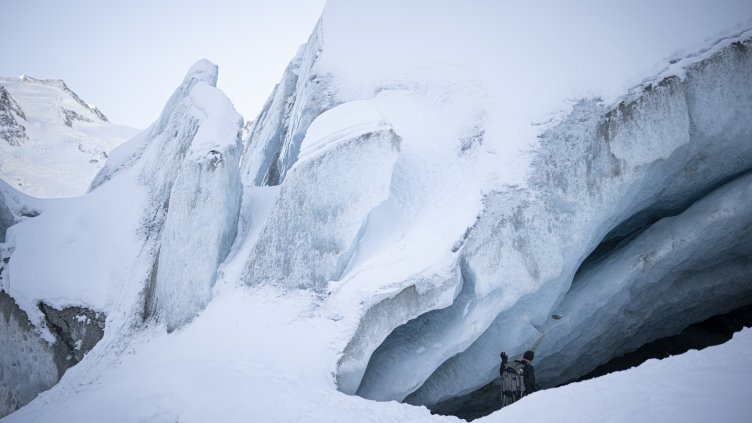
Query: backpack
513	379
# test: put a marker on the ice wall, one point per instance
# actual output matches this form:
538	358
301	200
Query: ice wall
600	177
146	240
29	364
6	217
595	173
188	160
303	94
680	270
202	213
324	203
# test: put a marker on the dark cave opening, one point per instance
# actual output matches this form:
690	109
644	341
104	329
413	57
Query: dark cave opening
713	331
629	229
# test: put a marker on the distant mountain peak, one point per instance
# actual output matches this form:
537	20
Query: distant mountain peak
53	142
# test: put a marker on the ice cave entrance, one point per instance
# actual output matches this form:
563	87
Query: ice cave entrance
713	331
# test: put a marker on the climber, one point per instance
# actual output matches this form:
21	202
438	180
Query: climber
517	378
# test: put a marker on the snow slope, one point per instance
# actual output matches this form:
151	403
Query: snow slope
52	143
677	389
263	354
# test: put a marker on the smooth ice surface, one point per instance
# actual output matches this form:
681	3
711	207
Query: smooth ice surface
682	269
66	141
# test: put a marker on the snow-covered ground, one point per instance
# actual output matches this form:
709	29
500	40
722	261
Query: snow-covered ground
64	141
261	354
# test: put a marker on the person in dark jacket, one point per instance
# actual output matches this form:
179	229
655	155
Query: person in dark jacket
528	377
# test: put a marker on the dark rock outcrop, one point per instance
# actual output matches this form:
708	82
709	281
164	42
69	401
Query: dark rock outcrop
10	130
30	364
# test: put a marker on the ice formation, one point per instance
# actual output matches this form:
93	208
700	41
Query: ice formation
408	205
122	249
205	197
518	220
323	206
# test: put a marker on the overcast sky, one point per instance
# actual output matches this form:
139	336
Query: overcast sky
127	57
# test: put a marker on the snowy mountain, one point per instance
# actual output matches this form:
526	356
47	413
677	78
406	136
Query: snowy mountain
52	143
423	190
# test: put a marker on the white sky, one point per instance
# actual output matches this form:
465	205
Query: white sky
127	57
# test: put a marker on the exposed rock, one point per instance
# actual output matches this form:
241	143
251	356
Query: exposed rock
10	130
6	218
28	363
71	116
77	327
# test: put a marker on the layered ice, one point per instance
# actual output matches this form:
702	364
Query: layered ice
29	363
303	94
202	213
507	177
324	204
594	175
682	269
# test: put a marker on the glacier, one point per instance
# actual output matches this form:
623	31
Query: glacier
701	160
405	207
